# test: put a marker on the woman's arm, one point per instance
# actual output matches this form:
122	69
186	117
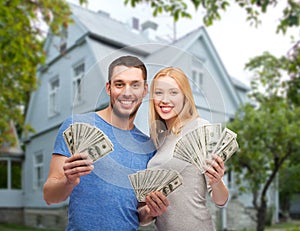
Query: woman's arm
214	174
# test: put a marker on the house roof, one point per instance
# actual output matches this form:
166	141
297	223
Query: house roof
9	149
240	84
186	42
102	27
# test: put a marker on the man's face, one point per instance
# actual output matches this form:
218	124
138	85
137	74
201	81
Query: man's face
126	90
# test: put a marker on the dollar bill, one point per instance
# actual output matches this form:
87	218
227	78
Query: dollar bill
197	146
226	137
212	134
169	187
85	138
150	180
191	148
228	150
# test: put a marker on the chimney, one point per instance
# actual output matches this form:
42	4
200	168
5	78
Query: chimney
135	23
149	29
103	13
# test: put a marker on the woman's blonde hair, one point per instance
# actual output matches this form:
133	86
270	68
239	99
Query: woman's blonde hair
189	111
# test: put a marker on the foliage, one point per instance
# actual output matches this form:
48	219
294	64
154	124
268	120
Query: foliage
213	8
22	32
268	132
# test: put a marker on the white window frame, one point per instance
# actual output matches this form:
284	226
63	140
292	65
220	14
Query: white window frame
77	84
53	96
197	80
38	168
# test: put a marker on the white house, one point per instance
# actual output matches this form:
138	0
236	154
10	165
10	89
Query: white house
73	81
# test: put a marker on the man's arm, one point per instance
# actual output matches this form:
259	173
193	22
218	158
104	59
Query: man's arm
64	175
156	204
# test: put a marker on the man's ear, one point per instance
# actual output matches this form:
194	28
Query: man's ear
107	88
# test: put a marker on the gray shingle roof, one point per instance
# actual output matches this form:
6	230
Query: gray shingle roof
102	26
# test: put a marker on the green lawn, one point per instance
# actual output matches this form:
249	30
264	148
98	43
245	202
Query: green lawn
289	226
12	227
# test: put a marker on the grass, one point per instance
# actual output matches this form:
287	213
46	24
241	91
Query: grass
288	226
13	227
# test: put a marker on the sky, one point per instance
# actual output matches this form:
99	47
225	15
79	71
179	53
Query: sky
234	39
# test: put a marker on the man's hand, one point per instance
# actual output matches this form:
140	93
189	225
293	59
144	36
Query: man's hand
64	175
76	166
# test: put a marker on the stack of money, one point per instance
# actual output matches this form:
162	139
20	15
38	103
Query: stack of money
227	145
150	180
85	138
198	145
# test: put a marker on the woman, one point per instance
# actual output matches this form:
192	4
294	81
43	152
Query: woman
172	115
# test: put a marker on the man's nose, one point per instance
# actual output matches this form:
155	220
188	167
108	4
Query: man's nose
127	90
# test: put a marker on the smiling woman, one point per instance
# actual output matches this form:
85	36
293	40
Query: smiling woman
168	99
173	114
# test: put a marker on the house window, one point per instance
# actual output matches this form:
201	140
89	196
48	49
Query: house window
197	80
10	174
78	73
53	97
38	169
3	174
16	174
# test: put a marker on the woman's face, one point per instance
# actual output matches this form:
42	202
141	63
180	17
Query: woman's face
168	99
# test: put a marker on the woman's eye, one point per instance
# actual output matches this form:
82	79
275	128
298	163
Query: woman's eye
174	92
158	93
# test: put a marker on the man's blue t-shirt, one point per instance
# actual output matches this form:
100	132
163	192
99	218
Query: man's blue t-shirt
104	200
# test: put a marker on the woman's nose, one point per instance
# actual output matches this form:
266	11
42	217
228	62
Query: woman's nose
165	99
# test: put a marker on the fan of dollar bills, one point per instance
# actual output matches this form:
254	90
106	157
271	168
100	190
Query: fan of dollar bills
198	145
150	180
85	138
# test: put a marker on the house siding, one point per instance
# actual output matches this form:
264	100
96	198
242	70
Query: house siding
217	100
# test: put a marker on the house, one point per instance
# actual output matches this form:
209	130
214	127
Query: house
73	81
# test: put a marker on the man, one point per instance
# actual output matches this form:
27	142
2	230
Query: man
101	197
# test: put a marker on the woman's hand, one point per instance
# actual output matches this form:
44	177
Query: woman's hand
157	203
215	171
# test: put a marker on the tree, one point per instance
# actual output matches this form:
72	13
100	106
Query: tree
268	134
21	40
212	10
23	27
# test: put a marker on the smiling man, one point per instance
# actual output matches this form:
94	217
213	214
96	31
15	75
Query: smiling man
101	197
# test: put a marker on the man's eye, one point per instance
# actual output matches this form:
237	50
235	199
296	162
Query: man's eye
136	85
119	85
